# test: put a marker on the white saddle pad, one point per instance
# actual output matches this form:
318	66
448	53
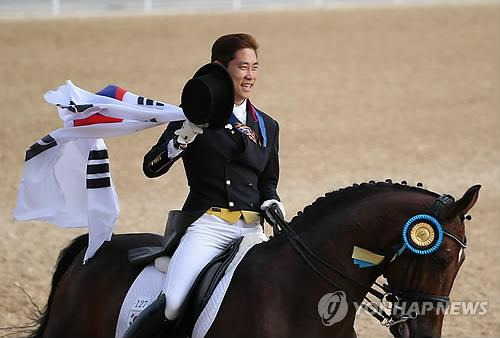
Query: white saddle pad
148	285
145	289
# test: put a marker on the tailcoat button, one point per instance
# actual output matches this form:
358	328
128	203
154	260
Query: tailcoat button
228	182
231	204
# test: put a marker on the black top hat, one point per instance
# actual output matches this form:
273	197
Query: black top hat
208	97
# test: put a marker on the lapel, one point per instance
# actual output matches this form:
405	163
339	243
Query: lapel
253	124
256	122
231	132
250	153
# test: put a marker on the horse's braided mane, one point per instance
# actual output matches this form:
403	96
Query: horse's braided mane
354	191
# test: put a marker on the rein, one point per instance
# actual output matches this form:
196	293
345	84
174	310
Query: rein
395	298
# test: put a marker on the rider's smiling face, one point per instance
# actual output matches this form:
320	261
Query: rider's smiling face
243	70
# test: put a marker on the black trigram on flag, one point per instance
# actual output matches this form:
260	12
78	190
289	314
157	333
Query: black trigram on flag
98	170
76	108
45	143
148	102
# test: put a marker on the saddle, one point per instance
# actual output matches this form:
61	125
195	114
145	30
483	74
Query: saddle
202	290
177	223
206	282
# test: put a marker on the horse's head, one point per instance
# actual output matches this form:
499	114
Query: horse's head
421	275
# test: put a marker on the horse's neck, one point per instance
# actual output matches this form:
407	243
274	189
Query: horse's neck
330	231
336	249
371	223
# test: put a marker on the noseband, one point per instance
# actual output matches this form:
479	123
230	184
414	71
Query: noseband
390	295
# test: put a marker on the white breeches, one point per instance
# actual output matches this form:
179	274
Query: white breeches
204	239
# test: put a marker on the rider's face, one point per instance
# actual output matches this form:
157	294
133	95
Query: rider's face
243	69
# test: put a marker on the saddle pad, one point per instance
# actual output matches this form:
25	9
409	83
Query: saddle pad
209	313
149	284
145	289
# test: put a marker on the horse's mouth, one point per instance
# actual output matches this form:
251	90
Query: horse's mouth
401	330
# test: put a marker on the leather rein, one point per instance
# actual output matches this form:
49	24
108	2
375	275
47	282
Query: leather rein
388	294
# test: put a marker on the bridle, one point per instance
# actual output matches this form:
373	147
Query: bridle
388	295
398	297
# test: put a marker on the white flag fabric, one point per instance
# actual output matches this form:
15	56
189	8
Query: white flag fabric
67	179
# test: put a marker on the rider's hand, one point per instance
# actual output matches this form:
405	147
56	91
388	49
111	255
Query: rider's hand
187	133
281	207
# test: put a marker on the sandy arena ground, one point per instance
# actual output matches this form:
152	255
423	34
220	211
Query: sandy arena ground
403	93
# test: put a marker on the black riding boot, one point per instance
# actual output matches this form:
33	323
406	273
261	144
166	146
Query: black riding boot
151	322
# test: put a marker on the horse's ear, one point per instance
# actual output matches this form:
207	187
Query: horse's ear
463	205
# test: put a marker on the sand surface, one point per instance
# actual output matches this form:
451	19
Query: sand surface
403	93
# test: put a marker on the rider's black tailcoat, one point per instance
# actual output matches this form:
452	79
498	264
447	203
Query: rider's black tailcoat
224	168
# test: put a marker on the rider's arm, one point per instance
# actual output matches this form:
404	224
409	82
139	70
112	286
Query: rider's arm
268	180
164	153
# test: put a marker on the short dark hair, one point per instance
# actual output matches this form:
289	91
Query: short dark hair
226	46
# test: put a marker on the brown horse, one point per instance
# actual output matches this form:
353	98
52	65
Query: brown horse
279	288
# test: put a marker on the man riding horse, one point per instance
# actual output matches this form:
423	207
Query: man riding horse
232	172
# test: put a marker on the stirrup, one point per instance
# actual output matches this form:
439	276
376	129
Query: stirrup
151	322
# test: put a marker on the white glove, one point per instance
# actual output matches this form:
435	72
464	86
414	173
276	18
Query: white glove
187	132
268	203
